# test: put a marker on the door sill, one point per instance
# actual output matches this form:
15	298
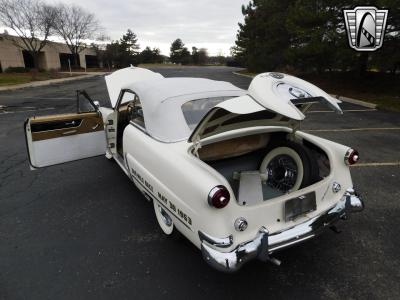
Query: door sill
120	161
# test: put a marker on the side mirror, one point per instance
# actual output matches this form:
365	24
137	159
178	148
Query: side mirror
96	103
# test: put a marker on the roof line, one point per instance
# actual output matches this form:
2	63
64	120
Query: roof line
191	94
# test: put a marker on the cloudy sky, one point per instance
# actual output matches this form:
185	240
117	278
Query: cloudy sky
203	23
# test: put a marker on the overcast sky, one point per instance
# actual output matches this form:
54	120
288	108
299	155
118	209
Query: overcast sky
203	23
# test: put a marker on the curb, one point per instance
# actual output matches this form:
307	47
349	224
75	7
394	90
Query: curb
342	98
46	82
355	101
243	75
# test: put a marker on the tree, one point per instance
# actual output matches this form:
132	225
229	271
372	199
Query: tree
149	56
314	37
130	41
31	20
262	38
195	55
75	25
199	56
202	56
146	56
186	58
123	52
112	55
310	35
179	53
129	49
388	57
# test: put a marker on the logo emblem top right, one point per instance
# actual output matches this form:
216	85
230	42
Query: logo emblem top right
365	27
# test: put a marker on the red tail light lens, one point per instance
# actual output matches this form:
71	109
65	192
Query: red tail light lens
219	197
351	157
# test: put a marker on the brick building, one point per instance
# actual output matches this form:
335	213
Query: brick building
53	55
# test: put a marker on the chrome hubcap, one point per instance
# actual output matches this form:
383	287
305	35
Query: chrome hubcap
282	173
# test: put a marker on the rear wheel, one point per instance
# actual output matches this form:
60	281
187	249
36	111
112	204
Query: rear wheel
289	167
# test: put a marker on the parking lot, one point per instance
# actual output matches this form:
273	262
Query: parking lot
83	231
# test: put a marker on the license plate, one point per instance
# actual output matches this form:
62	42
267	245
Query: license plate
298	206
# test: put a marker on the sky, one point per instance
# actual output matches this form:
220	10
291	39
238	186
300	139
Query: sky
211	24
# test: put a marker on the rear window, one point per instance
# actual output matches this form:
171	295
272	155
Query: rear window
195	110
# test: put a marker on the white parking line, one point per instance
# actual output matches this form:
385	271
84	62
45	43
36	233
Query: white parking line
345	110
353	129
376	164
51	98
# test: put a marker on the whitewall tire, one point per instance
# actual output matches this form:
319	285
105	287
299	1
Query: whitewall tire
284	169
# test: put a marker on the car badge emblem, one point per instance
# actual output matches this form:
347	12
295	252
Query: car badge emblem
276	75
365	26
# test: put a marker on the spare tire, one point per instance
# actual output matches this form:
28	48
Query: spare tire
289	166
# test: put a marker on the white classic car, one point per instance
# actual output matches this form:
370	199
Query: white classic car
227	168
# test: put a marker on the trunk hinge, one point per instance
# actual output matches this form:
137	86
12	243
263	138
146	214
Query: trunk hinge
196	145
295	125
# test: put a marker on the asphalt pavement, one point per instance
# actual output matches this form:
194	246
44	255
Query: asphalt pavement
83	231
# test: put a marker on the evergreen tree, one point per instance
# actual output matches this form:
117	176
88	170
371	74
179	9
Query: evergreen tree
263	37
123	53
310	35
314	36
179	53
148	56
130	42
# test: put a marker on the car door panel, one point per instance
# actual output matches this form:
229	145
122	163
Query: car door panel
62	138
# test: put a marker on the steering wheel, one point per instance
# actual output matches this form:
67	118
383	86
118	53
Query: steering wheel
130	108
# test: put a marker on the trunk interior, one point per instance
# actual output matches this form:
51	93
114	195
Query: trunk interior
240	161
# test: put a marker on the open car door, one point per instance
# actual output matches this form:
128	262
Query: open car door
62	138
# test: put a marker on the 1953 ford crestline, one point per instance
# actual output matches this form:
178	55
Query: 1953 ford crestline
228	168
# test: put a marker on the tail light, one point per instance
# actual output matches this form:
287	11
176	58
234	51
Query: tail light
219	197
351	157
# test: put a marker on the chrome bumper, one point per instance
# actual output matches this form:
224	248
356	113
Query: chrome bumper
265	244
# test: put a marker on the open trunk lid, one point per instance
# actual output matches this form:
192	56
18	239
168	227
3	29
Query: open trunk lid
273	99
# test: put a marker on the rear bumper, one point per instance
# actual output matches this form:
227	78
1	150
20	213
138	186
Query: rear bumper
265	244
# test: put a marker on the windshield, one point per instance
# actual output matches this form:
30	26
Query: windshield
195	110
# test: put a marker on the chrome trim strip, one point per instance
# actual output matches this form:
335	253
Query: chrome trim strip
218	242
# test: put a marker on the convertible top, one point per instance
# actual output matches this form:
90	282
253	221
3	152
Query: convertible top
162	100
157	91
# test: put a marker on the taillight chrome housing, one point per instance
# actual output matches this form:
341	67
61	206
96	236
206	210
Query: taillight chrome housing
351	157
219	197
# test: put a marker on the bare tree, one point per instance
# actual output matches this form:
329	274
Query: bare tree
31	20
75	25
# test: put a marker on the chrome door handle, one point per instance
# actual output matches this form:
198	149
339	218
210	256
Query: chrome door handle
69	132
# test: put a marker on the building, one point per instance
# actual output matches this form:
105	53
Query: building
53	55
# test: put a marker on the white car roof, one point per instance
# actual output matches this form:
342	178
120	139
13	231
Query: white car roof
162	100
116	80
